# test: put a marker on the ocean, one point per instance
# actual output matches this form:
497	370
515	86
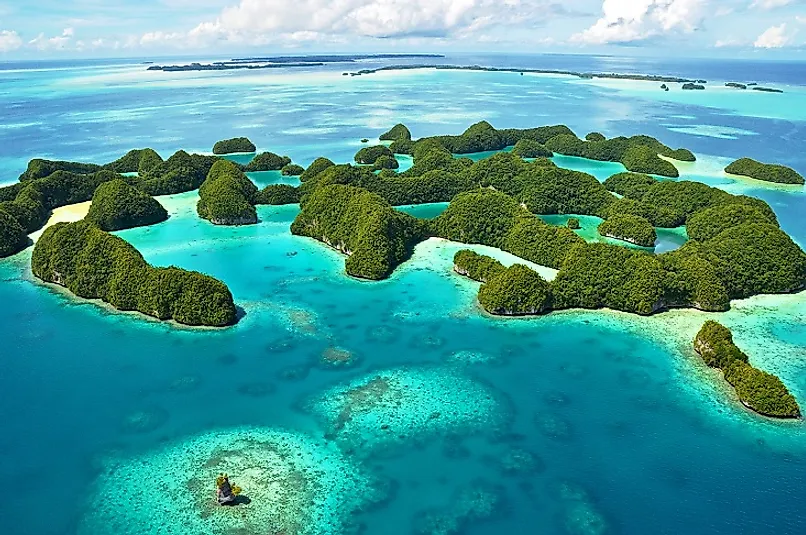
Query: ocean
437	419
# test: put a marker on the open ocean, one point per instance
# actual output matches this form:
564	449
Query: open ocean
576	423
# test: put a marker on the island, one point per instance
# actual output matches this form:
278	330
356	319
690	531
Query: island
267	161
276	62
117	205
292	169
736	248
757	390
520	71
692	86
573	223
736	85
767	89
227	196
94	264
630	228
529	148
369	155
764	171
234	145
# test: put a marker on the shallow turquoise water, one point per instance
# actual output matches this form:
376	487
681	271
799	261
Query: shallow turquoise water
625	433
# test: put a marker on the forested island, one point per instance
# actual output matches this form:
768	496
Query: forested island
763	171
587	75
276	62
234	145
759	391
96	265
735	248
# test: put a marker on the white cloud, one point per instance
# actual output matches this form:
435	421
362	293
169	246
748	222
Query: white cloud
59	42
9	40
770	4
262	21
774	37
727	43
625	21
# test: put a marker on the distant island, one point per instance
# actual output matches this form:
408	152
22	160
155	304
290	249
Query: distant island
588	75
276	62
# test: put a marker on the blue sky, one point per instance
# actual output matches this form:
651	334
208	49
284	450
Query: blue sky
134	28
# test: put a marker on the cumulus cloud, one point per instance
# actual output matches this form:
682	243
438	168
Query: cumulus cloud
774	37
626	21
261	21
59	42
9	40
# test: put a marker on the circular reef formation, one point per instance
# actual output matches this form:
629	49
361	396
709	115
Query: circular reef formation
392	406
290	484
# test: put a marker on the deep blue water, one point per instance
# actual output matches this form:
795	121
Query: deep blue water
626	434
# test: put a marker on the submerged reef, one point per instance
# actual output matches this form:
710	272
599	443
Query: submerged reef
388	407
96	265
291	484
759	391
470	505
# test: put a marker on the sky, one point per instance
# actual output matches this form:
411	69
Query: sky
44	29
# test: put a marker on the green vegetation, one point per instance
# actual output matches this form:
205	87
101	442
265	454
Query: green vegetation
236	144
318	165
630	185
474	266
139	161
227	196
292	169
385	162
96	265
690	87
12	236
691	280
711	222
484	217
549	190
180	173
637	153
369	155
573	223
267	161
532	239
658	216
596	275
595	136
529	148
278	194
34	200
39	168
643	159
375	236
756	258
761	392
630	228
116	206
397	132
516	291
764	171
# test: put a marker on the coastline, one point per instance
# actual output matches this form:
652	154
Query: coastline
64	214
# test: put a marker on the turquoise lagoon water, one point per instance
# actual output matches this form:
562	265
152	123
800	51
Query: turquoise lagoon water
575	423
